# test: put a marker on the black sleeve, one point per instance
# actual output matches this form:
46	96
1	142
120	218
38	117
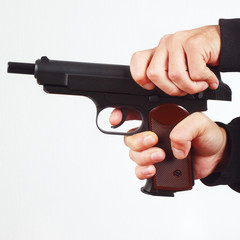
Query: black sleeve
230	175
230	45
229	62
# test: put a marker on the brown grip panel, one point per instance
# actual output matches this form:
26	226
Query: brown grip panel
171	174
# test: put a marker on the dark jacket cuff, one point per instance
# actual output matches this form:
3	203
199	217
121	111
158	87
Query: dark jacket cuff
230	45
230	175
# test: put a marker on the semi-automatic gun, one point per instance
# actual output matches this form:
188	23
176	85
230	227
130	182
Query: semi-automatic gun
113	86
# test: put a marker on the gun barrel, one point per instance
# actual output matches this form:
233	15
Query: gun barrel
22	68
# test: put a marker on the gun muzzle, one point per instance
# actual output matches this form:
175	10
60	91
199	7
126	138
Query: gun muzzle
22	68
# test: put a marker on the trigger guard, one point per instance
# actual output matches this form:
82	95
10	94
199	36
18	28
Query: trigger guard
124	117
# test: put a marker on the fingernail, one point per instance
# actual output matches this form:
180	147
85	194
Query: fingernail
179	154
213	85
149	140
156	156
147	170
149	86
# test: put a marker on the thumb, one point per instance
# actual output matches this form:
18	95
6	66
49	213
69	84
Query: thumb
182	135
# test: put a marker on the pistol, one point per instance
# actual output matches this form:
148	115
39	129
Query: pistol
113	86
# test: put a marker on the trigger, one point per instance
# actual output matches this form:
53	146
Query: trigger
124	117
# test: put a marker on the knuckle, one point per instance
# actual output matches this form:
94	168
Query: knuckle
153	73
128	141
138	158
175	136
137	76
196	75
145	159
136	56
175	75
131	155
172	92
193	42
138	173
191	90
201	119
134	142
136	68
178	36
164	39
198	115
181	85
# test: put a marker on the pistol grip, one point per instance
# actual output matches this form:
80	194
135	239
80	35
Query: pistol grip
171	174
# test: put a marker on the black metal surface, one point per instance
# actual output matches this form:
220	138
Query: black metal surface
22	68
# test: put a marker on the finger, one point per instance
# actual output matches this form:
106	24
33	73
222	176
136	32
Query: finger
178	72
157	71
138	67
145	172
198	69
147	157
185	132
116	116
141	141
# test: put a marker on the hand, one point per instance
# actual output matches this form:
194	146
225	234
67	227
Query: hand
206	138
178	65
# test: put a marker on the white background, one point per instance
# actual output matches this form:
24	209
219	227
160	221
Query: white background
60	178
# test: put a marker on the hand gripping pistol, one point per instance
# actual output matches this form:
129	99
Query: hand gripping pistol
112	86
